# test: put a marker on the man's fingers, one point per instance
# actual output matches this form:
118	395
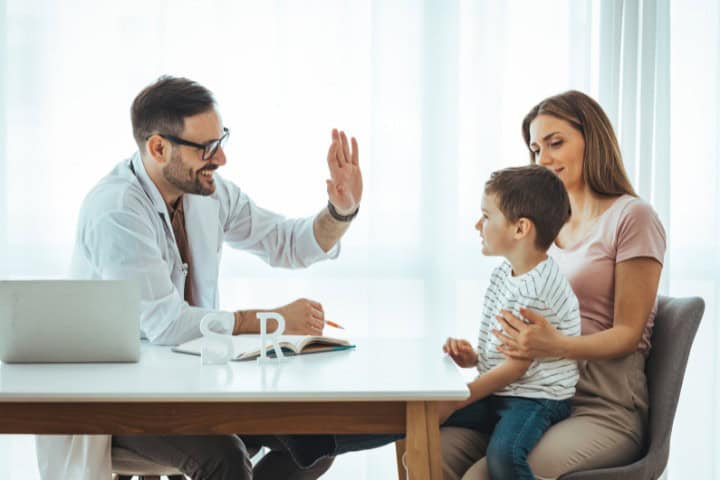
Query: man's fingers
314	326
355	154
332	151
333	161
315	304
339	152
346	148
317	320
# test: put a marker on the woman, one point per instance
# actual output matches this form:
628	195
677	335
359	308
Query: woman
612	251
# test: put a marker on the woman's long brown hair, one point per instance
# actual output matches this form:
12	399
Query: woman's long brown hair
603	168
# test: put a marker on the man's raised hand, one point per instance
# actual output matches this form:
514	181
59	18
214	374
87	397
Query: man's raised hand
345	184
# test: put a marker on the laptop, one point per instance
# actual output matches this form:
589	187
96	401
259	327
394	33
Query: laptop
48	321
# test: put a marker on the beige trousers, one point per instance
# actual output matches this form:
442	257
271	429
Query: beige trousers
606	427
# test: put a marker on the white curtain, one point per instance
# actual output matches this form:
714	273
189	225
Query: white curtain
634	89
434	90
660	87
695	226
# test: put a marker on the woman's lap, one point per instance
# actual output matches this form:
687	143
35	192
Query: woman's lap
582	443
605	428
578	443
461	448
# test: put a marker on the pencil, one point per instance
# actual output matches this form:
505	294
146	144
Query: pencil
333	324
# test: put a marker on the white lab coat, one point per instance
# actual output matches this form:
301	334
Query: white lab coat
124	232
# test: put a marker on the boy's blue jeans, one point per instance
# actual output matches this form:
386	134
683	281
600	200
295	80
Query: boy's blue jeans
516	424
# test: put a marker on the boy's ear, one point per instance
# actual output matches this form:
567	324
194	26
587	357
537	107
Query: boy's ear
523	227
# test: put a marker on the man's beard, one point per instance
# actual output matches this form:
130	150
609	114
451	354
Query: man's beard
184	178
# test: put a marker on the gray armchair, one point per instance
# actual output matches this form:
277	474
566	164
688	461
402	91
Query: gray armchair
676	323
675	327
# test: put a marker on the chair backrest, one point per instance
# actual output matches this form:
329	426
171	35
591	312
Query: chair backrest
676	323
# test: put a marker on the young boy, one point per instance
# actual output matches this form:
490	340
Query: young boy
523	210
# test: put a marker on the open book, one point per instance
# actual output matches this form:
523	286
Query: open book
248	346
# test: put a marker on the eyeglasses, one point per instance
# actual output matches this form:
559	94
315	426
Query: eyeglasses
209	149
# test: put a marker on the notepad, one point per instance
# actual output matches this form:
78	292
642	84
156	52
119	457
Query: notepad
247	347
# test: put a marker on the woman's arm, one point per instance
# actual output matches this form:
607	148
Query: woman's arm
636	284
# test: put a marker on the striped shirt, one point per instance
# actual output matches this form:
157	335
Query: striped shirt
545	290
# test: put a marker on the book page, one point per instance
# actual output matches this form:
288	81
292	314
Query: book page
248	345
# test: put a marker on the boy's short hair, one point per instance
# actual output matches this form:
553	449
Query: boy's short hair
535	193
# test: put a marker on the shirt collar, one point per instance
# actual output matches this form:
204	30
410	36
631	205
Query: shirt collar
147	184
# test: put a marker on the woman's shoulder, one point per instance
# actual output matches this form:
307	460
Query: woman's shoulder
638	228
629	210
630	205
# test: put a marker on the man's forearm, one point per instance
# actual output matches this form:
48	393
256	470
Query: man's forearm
327	230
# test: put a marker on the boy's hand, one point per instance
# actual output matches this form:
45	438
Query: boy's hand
461	352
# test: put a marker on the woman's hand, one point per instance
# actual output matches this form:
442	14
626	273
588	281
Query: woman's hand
461	352
521	340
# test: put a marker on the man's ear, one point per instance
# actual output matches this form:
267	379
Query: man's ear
157	149
523	227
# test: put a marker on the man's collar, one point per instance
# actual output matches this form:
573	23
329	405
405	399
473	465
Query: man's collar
147	184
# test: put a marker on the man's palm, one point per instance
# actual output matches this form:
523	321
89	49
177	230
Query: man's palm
345	185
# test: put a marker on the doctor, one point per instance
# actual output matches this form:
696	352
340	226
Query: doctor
160	218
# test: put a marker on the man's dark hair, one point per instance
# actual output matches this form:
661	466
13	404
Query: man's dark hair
163	106
535	193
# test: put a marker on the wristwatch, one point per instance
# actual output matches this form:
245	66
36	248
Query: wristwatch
341	218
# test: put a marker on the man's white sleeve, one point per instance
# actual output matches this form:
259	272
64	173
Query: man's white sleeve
279	241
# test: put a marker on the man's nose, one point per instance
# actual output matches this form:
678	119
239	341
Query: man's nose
478	225
219	157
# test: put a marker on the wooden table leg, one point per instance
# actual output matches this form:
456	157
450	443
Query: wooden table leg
434	451
416	442
422	443
399	452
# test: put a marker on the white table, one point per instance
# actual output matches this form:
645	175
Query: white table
382	386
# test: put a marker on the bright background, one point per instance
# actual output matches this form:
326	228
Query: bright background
434	90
